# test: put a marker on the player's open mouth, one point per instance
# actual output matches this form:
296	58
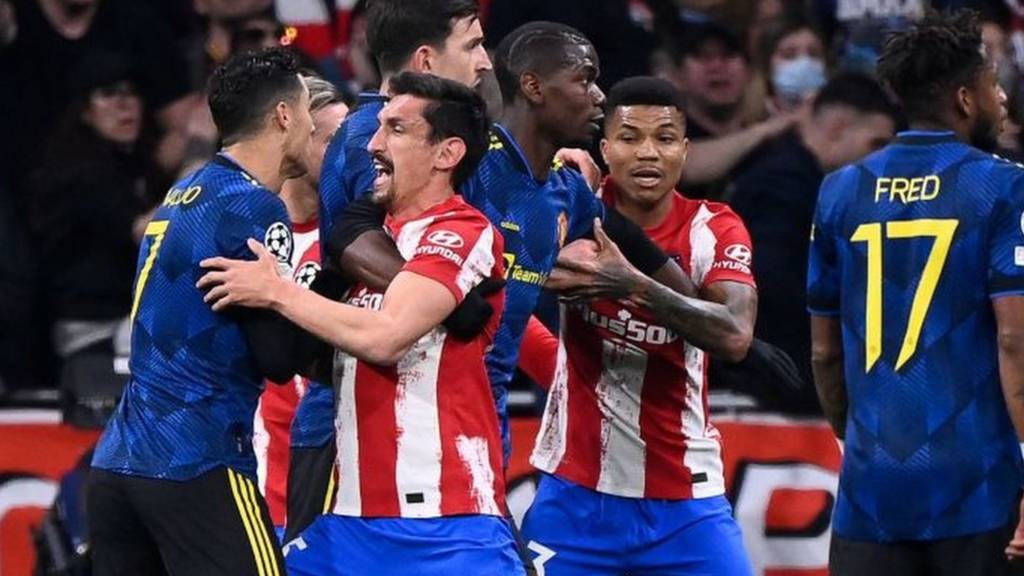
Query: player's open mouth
384	169
597	123
647	176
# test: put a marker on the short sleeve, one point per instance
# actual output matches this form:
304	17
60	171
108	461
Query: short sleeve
458	252
733	250
584	206
823	265
1006	244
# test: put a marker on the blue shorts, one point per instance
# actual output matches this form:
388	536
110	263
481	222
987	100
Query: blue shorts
571	530
450	546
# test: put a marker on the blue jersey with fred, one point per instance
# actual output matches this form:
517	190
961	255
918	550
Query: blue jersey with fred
908	248
193	391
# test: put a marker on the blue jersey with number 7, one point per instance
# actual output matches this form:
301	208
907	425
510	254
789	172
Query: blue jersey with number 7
189	405
908	249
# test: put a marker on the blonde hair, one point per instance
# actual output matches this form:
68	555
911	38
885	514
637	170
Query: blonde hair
321	93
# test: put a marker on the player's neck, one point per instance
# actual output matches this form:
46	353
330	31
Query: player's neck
300	199
644	215
260	160
538	150
408	206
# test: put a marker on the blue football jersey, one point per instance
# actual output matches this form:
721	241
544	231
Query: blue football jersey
348	172
536	219
908	247
189	404
313	423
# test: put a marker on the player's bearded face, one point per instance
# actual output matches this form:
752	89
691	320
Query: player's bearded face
990	117
402	153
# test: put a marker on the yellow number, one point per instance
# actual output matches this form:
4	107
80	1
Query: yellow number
942	231
157	229
510	260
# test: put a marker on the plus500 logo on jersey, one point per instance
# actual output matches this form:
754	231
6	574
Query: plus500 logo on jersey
623	324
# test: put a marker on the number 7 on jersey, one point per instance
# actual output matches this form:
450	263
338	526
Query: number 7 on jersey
942	231
157	229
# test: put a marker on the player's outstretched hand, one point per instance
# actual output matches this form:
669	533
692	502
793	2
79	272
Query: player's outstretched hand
1015	550
581	160
250	283
587	270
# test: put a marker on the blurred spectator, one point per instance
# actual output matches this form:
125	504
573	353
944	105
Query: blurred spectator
792	61
51	37
620	30
776	195
997	45
91	202
713	74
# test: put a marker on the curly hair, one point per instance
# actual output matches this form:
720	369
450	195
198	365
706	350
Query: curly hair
923	64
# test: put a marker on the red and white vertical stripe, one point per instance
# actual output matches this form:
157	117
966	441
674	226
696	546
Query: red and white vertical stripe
421	439
627	410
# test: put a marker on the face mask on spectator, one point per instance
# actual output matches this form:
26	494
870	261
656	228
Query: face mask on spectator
794	79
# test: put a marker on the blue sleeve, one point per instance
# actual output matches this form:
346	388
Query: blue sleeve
1006	242
823	265
584	206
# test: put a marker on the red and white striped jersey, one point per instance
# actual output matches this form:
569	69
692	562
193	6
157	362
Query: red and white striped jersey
420	439
272	425
627	411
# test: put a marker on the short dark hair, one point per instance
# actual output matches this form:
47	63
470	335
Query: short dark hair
644	91
244	90
396	28
926	62
533	47
455	110
857	91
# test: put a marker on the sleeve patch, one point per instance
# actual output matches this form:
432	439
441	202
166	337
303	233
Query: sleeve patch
278	241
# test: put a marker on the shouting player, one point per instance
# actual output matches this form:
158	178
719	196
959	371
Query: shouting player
172	484
420	484
631	460
915	288
442	37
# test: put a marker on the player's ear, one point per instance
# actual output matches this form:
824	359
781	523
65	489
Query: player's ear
282	115
422	60
530	86
964	102
604	150
686	148
450	152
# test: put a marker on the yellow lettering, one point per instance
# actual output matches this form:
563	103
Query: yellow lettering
934	190
907	190
899	188
191	194
914	193
880	187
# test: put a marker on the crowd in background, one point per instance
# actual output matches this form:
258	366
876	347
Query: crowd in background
104	107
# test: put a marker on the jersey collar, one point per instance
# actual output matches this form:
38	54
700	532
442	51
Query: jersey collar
371	98
225	160
501	139
925	137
